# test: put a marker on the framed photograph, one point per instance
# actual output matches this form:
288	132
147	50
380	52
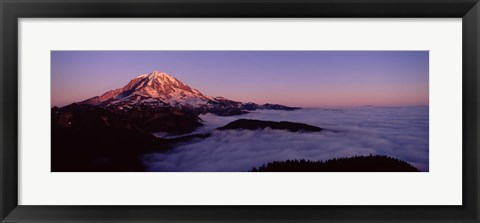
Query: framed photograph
226	111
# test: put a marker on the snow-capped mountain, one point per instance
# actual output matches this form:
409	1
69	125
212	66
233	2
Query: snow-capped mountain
160	90
154	87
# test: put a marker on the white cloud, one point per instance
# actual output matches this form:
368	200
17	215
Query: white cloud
400	132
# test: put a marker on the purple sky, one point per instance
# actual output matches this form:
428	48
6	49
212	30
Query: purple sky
295	78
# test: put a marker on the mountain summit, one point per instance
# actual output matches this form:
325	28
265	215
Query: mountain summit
156	86
159	90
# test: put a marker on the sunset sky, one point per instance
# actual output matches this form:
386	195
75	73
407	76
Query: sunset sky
294	78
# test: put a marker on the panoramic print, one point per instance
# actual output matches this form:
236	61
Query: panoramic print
239	111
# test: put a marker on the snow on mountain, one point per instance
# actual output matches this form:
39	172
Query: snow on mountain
156	87
160	90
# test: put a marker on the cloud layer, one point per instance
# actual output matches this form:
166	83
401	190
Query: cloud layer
400	132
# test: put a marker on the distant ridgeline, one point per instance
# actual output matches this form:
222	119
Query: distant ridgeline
372	163
252	124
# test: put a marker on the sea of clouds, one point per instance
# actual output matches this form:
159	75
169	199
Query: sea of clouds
400	132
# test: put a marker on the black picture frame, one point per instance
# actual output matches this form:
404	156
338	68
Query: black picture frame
12	10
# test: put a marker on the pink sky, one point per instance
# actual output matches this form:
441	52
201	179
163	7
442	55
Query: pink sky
294	78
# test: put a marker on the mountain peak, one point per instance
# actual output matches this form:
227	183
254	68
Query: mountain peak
159	74
162	77
158	86
156	74
159	90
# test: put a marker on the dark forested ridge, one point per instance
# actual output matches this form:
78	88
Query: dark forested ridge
252	124
372	163
87	138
